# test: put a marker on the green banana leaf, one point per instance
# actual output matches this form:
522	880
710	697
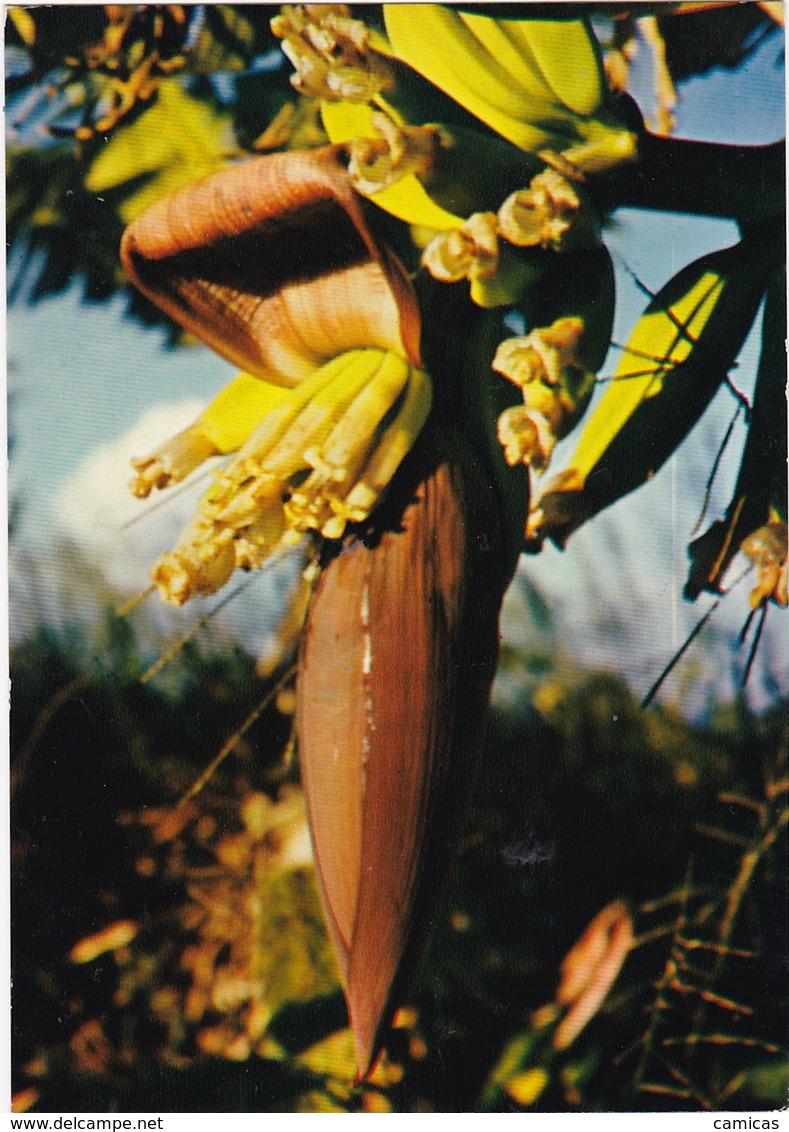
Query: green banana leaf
760	491
677	357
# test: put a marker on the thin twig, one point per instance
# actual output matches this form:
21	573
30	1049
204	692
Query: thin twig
189	635
653	691
236	737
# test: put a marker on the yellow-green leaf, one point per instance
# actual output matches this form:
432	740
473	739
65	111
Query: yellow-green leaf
177	140
662	338
675	360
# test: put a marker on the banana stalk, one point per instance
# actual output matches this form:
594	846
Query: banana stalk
401	637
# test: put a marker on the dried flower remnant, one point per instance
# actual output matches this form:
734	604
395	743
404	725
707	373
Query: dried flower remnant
398	151
590	968
334	55
548	214
546	368
767	550
526	436
469	252
541	356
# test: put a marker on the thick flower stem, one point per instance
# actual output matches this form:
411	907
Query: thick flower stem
743	183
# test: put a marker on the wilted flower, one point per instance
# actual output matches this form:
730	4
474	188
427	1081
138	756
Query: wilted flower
548	215
396	151
767	550
546	368
542	355
469	252
333	54
526	436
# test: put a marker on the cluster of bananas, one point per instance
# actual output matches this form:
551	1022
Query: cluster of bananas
504	209
514	76
537	83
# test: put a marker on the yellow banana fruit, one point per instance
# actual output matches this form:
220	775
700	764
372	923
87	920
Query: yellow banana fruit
504	42
567	55
437	43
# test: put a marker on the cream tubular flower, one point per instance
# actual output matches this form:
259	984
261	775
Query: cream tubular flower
313	464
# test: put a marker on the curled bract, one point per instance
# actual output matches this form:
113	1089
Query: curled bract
248	258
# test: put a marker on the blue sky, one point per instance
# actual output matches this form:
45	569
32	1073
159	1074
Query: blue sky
82	377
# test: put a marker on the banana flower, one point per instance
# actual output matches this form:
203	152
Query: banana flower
274	265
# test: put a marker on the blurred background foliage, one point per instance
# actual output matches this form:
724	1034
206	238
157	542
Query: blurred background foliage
171	955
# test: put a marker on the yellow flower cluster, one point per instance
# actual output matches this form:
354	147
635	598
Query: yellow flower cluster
317	461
